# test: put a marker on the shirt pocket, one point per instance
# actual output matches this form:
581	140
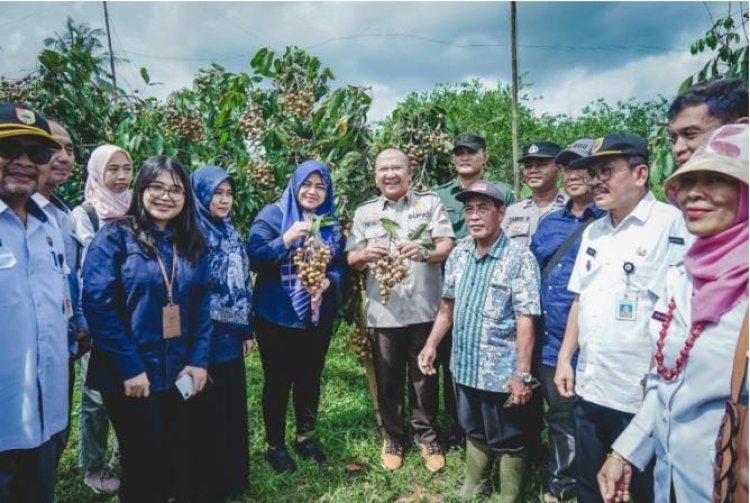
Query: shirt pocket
497	301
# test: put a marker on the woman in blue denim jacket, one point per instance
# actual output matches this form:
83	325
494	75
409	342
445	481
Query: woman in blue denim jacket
293	325
221	465
146	297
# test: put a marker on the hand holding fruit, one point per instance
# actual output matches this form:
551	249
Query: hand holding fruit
374	252
298	230
410	250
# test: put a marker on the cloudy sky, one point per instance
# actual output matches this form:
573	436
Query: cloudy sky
570	52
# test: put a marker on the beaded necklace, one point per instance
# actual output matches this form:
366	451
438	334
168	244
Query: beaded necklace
697	330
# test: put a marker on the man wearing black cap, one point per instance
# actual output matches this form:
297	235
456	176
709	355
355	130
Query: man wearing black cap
555	245
540	173
33	273
620	269
490	296
469	158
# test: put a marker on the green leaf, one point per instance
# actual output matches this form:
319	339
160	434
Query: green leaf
390	226
685	85
417	233
144	75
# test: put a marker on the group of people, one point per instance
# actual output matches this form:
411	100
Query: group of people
617	310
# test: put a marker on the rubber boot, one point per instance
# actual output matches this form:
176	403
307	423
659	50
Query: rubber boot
478	459
512	466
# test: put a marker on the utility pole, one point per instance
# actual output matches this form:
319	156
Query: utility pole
514	102
109	43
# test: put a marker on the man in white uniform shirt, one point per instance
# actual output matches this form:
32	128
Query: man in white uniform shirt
619	271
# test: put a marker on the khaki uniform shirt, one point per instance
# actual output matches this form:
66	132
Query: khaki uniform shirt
522	218
416	299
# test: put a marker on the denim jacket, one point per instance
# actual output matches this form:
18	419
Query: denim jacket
123	296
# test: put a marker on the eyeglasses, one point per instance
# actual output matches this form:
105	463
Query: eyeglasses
157	190
603	172
36	154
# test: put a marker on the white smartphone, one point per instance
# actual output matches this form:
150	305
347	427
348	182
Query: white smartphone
185	386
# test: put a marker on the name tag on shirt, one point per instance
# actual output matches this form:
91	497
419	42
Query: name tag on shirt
519	228
676	240
67	299
626	306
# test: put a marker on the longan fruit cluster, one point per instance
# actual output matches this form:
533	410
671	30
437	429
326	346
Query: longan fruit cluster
15	91
422	144
252	123
390	270
360	343
191	127
261	173
311	260
298	104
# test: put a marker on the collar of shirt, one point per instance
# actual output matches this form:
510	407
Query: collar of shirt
558	199
404	200
592	210
641	211
495	251
32	207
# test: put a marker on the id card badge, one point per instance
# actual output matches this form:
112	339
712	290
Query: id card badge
520	228
67	299
170	320
626	306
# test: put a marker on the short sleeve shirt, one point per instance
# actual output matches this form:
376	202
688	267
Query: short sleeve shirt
615	354
489	292
416	299
522	218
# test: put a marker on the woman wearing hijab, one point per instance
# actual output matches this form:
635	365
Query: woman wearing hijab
106	197
107	192
293	325
220	415
694	331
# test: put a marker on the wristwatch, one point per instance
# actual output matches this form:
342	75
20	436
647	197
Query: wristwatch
525	377
425	255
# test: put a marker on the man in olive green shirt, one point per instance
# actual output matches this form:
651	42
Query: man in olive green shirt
469	158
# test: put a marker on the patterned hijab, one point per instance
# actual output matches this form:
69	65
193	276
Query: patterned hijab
108	204
292	212
231	292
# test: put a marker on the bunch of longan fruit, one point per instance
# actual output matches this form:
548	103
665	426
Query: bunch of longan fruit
298	104
261	173
311	260
360	343
390	270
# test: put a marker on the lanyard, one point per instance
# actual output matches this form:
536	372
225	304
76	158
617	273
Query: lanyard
168	282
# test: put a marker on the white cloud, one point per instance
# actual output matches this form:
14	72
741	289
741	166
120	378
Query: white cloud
643	78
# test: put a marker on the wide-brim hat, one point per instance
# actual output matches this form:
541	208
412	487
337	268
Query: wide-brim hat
726	153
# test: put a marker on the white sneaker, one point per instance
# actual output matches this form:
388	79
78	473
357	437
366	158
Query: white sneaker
101	481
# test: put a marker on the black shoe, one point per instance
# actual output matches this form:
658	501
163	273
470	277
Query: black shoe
308	449
280	460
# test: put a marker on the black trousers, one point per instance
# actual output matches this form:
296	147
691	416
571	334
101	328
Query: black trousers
155	442
28	475
395	352
485	418
448	388
219	425
597	428
293	361
561	431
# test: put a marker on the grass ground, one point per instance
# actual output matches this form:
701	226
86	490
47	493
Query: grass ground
346	430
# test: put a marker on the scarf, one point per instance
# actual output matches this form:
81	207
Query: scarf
718	265
292	212
108	204
231	292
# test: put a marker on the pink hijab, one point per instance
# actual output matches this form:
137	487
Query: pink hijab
108	204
